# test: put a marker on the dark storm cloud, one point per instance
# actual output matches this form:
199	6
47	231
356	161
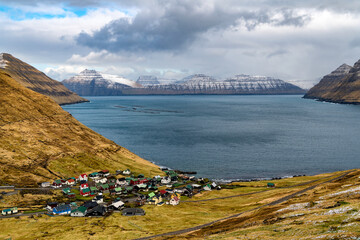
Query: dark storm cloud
177	25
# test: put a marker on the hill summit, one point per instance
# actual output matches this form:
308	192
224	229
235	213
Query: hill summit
37	81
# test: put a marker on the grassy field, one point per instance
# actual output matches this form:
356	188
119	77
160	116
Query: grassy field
263	223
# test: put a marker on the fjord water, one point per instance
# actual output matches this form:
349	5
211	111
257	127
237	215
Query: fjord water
230	137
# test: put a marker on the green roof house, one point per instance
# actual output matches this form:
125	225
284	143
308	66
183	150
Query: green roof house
79	212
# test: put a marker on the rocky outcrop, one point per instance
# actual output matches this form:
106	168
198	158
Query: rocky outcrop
37	81
340	86
93	83
203	84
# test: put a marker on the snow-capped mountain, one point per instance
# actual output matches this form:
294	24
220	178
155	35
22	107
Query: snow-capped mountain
239	84
147	80
93	83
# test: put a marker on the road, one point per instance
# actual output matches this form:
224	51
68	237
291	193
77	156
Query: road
281	200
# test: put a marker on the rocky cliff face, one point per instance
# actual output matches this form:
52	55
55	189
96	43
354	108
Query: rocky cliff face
340	86
41	142
37	81
93	83
202	84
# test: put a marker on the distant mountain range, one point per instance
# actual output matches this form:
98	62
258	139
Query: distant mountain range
37	81
340	86
92	83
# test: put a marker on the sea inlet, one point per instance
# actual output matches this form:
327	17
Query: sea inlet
230	137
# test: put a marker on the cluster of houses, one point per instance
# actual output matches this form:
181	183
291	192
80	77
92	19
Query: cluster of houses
88	192
137	190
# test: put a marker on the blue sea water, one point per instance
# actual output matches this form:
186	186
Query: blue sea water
230	137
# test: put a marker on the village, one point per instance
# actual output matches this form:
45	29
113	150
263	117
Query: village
102	193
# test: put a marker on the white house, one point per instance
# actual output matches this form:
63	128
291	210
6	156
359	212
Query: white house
126	172
79	212
117	205
165	180
83	177
122	182
174	201
101	180
45	184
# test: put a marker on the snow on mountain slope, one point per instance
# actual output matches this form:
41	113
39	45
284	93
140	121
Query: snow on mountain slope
2	61
120	80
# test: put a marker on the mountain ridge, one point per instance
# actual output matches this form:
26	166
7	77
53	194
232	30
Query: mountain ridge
340	86
37	81
193	84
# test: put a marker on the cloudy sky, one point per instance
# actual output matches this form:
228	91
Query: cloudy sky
295	40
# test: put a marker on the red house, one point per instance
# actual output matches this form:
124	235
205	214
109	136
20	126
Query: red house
138	181
84	186
85	192
83	177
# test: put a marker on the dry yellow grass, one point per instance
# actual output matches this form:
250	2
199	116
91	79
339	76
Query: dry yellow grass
170	218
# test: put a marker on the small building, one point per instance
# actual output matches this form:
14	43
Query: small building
104	187
85	192
94	175
83	177
45	184
71	195
66	191
70	182
84	186
112	185
79	212
163	193
207	187
118	205
174	201
104	173
133	212
101	180
129	189
118	190
94	189
272	185
57	184
51	205
62	209
126	172
166	180
98	199
9	211
90	204
99	210
121	182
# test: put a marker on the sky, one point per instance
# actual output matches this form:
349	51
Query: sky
298	41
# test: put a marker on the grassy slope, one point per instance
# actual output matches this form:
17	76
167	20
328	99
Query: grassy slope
259	224
40	141
37	81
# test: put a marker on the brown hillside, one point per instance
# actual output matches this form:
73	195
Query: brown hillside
40	141
37	81
341	86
